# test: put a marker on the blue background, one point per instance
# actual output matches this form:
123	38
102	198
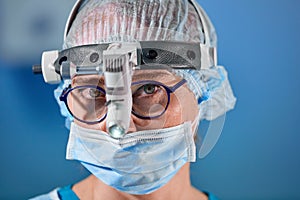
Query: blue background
257	155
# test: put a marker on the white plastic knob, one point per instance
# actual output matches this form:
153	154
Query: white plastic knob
48	69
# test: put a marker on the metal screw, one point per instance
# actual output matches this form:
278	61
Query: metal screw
94	57
191	54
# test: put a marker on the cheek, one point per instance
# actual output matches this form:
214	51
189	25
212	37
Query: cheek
183	107
149	124
174	113
173	116
191	109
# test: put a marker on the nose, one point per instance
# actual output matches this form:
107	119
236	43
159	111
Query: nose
132	126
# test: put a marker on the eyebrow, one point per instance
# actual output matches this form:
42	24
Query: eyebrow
88	80
161	75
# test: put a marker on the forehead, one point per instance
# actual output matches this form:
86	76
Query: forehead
163	76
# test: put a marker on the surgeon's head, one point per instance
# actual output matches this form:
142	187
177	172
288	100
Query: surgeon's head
143	74
153	106
102	22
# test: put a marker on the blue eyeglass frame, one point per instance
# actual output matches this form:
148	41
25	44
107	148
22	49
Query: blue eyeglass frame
64	95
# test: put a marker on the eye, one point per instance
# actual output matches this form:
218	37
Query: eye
94	93
90	93
149	88
149	100
148	91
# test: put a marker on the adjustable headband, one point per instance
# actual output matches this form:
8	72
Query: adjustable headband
150	55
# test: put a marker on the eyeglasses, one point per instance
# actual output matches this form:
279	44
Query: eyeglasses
87	103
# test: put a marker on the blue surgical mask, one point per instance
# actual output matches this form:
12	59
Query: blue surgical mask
140	162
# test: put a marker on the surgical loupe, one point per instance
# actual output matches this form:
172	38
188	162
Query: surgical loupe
117	61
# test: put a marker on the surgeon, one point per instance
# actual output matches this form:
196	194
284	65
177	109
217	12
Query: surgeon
135	79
